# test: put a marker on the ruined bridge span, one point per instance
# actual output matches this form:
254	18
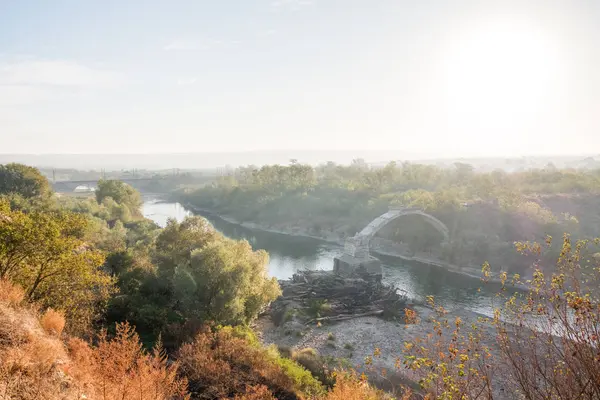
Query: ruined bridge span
356	249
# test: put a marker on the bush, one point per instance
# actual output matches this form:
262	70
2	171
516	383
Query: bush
547	336
350	387
53	322
121	369
221	365
10	294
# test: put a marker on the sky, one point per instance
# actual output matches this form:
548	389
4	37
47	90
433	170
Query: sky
432	78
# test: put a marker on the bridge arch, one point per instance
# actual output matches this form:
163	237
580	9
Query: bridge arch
358	246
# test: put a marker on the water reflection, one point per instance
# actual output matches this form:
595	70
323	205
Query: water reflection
160	211
289	254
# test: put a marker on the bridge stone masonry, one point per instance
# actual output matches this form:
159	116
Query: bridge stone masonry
356	257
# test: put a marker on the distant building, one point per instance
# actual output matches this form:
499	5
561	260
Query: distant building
84	189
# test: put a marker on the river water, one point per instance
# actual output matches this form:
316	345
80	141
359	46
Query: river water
289	254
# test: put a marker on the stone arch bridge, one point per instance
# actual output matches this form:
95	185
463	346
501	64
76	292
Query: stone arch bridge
356	249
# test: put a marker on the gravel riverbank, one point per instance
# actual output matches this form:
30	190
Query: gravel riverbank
356	339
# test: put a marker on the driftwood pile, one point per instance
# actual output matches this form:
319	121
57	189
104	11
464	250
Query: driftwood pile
318	296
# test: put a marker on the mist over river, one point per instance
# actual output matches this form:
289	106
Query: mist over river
289	254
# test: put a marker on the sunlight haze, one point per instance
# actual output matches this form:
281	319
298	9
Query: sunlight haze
429	78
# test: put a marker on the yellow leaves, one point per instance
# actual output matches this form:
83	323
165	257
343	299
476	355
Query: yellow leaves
486	270
526	248
516	279
503	277
430	300
377	352
538	278
458	322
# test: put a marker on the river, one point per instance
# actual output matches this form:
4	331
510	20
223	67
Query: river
289	254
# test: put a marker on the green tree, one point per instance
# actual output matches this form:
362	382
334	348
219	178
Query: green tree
121	193
228	282
177	241
43	251
23	180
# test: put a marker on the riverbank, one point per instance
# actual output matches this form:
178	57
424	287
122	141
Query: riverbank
356	340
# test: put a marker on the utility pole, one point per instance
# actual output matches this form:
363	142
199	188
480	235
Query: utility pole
53	175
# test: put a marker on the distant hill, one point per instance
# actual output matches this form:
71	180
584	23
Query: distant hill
220	160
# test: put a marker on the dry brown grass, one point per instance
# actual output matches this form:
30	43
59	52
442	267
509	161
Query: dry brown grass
35	363
30	359
121	369
53	322
10	294
350	387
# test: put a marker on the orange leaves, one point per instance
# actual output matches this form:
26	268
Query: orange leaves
410	316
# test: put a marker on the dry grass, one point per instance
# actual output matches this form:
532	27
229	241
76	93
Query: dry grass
53	322
30	359
350	387
35	363
10	294
121	369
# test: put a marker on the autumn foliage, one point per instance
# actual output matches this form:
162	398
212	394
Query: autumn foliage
121	369
547	338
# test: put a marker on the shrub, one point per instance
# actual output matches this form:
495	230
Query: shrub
547	337
53	322
10	294
257	392
220	365
121	369
350	387
313	362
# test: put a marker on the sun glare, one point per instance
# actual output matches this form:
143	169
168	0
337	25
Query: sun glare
500	71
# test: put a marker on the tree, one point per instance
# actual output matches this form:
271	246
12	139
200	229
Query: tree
43	252
227	282
23	180
177	241
121	193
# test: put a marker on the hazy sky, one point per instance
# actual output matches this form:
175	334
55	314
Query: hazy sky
430	77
